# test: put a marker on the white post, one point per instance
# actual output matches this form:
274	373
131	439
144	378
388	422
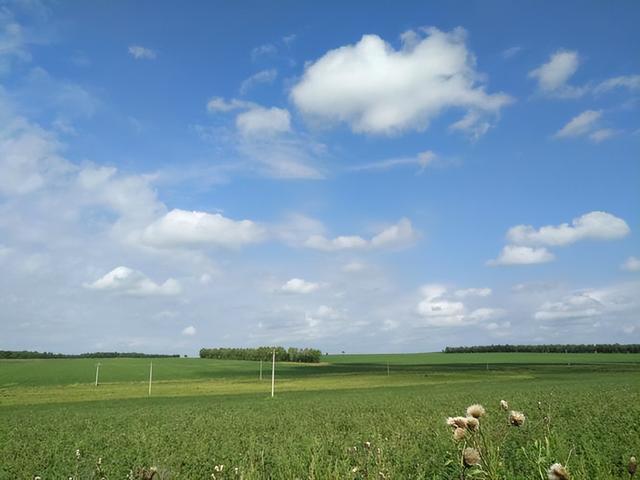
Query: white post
150	376
260	369
97	373
273	374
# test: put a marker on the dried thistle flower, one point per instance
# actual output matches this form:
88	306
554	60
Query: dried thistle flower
516	418
633	466
457	422
558	472
470	457
367	445
504	405
473	424
475	411
459	434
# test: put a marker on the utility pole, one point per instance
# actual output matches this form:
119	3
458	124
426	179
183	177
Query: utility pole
150	376
273	374
97	373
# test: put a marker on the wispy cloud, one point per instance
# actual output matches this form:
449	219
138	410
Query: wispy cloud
142	53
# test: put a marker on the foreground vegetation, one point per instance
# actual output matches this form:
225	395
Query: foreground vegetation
352	420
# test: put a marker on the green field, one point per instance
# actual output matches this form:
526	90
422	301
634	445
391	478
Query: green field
204	413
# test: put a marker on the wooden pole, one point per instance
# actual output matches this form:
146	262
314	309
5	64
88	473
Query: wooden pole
97	373
273	374
150	376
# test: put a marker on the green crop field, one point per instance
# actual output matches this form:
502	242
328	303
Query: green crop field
350	417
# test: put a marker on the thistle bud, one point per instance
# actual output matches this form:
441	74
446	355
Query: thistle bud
516	418
473	424
470	457
633	466
558	472
475	411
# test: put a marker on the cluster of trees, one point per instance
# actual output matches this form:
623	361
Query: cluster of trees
303	355
556	348
27	354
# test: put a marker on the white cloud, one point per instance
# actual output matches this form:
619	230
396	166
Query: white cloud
484	314
580	124
511	52
521	255
473	292
219	104
141	53
422	160
398	235
440	311
320	242
132	282
29	158
473	123
552	76
263	121
263	76
13	41
353	267
377	89
590	306
189	331
262	141
590	226
630	82
181	228
631	264
265	50
602	135
298	285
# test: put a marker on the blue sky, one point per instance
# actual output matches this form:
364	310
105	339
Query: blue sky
356	177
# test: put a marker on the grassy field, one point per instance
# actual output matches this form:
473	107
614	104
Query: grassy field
582	409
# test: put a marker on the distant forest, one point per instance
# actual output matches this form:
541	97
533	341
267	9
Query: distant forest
27	354
302	355
577	348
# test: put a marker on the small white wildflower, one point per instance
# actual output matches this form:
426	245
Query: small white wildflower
504	405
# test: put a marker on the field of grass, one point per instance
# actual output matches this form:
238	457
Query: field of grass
206	413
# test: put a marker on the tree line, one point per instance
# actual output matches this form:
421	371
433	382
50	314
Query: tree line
552	348
302	355
23	354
